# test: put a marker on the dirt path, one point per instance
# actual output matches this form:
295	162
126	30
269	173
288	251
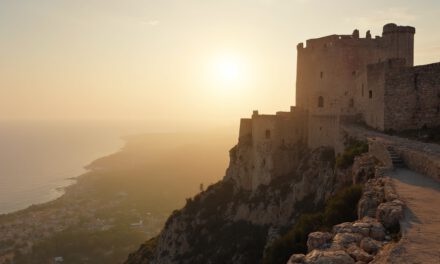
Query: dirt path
420	242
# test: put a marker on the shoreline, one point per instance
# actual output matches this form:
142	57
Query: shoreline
123	198
71	183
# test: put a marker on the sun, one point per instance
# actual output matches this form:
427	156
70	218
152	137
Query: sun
228	69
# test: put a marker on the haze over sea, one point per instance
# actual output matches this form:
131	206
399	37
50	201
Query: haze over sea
39	157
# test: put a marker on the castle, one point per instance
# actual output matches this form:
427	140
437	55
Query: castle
343	78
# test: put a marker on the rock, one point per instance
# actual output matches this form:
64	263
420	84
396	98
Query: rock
328	257
377	232
359	255
367	205
389	192
345	240
296	258
362	228
318	240
390	213
363	169
370	245
346	227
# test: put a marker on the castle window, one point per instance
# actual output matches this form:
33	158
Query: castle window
351	103
362	90
267	134
370	94
321	75
320	101
353	73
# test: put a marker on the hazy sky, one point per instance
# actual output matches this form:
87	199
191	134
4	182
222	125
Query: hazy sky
167	60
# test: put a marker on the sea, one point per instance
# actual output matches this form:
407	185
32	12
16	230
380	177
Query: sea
39	158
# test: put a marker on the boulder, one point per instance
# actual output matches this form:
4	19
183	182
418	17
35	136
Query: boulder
359	255
377	232
345	240
328	257
370	245
346	227
363	169
390	213
318	240
362	228
368	204
296	258
389	191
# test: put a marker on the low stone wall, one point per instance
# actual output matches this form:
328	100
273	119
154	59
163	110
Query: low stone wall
420	161
418	156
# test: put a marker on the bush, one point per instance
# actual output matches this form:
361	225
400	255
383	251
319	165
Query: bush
343	206
354	148
340	208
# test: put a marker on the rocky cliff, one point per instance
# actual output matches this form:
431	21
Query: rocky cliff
229	224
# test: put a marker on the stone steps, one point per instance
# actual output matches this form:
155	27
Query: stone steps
395	158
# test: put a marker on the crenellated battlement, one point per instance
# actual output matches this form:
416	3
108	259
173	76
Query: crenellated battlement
393	28
354	39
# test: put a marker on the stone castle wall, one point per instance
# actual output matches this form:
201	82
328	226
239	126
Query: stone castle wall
332	78
269	147
412	98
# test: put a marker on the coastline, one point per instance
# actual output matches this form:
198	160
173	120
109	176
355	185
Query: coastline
123	198
62	190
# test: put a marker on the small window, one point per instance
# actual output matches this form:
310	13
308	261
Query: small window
267	134
320	102
370	94
321	75
362	90
353	73
351	103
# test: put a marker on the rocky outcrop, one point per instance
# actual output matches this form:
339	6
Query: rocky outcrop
349	242
380	211
227	222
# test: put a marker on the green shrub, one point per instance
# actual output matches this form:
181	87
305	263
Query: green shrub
354	148
340	208
343	206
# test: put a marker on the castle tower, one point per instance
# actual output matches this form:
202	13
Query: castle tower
332	79
399	42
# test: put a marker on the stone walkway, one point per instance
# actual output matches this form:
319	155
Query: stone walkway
431	148
420	242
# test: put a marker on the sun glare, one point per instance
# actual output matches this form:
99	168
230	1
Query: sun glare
228	69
